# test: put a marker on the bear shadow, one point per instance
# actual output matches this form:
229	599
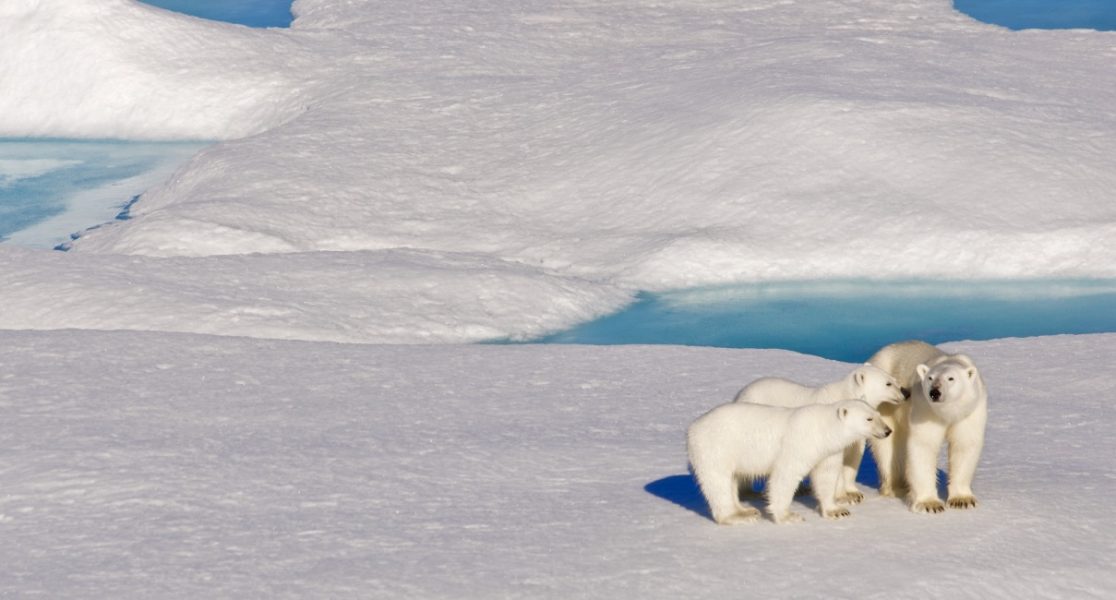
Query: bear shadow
682	490
868	475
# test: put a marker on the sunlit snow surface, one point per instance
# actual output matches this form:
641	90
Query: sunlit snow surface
443	172
613	147
145	465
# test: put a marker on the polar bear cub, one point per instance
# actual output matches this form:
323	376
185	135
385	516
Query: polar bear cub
949	403
742	440
872	384
867	382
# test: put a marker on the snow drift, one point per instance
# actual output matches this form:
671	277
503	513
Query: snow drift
122	69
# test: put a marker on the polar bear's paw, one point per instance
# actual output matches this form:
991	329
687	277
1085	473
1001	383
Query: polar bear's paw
928	507
788	517
962	502
838	513
742	516
851	497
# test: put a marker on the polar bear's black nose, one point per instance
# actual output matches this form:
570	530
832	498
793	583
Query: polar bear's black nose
935	394
887	431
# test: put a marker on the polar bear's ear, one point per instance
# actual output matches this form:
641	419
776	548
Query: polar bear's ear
922	370
859	377
842	412
972	372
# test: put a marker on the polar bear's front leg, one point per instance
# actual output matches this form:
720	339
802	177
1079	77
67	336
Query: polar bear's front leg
923	446
884	451
781	485
824	479
966	440
890	453
847	491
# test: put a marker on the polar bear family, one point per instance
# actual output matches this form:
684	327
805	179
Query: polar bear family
783	431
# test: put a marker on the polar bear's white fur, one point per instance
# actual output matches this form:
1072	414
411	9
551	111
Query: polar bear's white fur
949	403
742	440
899	360
867	382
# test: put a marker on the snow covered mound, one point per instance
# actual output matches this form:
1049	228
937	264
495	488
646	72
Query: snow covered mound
388	296
122	69
625	144
176	466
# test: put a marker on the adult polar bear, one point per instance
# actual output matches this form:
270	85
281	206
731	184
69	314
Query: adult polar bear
872	384
949	403
739	439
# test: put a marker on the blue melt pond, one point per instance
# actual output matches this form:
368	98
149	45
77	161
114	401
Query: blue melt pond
1042	14
52	188
253	13
850	320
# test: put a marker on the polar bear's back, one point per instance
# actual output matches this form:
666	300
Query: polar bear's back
748	436
776	391
900	359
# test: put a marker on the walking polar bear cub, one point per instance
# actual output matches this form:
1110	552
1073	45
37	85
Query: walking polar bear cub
867	382
949	403
741	440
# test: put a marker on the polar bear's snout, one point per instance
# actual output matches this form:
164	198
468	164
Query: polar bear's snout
879	435
935	394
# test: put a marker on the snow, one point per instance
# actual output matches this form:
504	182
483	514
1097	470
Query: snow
239	392
619	145
141	464
123	69
308	296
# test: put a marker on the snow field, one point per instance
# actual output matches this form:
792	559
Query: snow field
172	465
628	146
400	172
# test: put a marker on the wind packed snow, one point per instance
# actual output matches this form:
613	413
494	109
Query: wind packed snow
605	146
169	465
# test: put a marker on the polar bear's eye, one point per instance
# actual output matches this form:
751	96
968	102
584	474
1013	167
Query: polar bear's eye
870	419
889	384
951	379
